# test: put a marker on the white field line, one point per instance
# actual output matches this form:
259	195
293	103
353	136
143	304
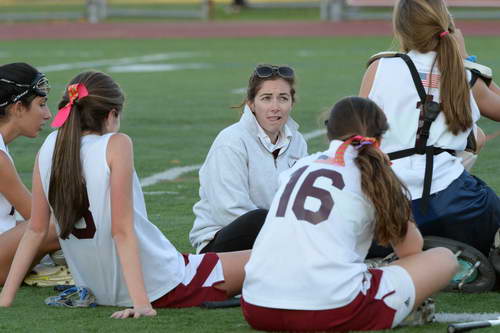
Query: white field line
160	193
443	317
173	173
145	68
314	134
169	174
119	61
239	91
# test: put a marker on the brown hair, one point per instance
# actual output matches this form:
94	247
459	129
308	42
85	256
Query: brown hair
353	116
67	189
255	83
418	25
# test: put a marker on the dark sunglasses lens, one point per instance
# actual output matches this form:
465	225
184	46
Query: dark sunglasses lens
264	71
286	72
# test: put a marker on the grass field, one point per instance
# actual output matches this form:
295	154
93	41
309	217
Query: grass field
173	116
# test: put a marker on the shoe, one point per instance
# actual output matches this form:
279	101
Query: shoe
381	262
74	297
422	315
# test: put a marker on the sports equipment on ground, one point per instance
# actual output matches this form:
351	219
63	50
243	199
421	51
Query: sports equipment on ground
475	275
49	276
230	303
462	327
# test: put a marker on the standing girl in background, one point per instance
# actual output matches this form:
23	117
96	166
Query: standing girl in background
23	112
240	175
431	110
306	271
84	174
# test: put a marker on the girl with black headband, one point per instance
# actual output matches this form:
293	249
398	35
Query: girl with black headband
240	175
23	112
433	96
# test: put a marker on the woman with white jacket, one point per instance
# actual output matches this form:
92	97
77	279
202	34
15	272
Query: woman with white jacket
240	175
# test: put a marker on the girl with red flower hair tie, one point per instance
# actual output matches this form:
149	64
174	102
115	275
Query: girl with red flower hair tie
84	174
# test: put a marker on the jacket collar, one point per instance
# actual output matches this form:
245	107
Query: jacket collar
249	122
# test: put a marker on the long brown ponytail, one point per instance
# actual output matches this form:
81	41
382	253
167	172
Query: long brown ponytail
67	190
419	25
353	116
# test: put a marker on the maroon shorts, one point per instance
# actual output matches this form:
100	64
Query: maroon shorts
203	272
365	312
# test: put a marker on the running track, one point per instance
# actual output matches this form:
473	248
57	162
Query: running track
81	30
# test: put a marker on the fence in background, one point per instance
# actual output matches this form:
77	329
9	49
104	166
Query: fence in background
98	10
333	10
339	10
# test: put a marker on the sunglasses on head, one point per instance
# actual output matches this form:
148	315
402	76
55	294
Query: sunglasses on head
265	71
39	86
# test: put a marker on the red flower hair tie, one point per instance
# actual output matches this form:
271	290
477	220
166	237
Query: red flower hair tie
75	92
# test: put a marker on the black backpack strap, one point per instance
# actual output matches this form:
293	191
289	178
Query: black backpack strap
473	79
430	110
415	76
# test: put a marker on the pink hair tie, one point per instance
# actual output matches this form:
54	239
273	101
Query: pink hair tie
75	92
444	33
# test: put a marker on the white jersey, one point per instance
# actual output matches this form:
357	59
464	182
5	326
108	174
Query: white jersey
7	216
309	254
395	93
90	250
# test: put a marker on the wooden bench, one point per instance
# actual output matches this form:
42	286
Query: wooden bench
339	10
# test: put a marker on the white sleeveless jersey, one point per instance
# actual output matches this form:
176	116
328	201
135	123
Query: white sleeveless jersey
90	250
395	93
309	254
7	216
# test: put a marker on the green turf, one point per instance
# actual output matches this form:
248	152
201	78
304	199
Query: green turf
173	118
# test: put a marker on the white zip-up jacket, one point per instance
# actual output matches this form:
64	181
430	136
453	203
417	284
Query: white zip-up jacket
240	174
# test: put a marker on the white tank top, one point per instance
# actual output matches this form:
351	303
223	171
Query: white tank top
394	91
7	213
309	254
93	258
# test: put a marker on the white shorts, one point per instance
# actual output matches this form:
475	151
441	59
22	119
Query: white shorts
397	279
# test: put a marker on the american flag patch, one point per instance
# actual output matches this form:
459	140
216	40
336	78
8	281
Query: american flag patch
430	80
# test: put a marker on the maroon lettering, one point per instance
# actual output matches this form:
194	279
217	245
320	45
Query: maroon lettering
89	231
285	197
307	189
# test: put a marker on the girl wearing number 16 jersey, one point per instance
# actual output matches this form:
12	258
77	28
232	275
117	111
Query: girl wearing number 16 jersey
306	270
